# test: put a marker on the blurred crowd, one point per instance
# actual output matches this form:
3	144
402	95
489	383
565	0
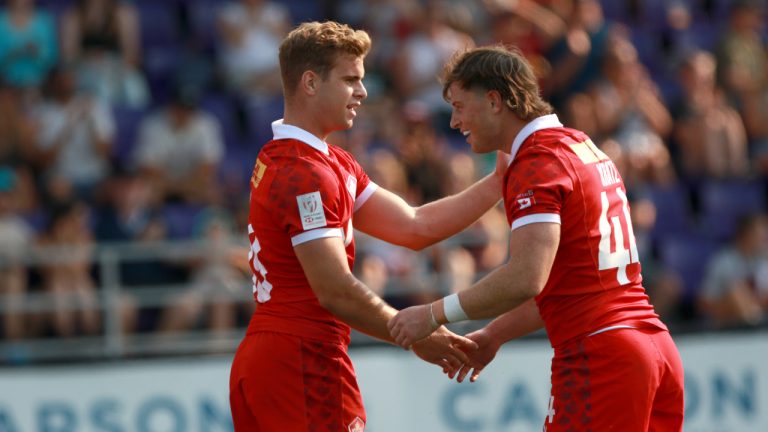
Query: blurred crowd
139	121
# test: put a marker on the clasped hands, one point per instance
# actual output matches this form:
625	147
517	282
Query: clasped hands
414	328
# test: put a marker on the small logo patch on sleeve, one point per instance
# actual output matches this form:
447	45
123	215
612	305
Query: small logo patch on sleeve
352	186
525	199
311	210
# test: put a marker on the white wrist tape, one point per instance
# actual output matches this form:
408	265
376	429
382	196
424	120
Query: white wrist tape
453	310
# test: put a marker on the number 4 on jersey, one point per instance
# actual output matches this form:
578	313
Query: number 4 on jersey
622	257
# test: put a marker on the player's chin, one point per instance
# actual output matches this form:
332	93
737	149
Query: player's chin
479	148
475	147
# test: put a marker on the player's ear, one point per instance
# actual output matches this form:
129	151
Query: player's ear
493	98
309	82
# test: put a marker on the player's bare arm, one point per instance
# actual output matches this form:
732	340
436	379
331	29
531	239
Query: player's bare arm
532	251
516	323
324	262
388	217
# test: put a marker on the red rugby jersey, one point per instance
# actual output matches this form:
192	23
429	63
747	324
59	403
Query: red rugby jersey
302	189
558	175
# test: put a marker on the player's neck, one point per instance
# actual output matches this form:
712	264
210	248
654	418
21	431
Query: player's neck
304	120
513	127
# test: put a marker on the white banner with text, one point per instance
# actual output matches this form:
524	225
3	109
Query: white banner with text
726	391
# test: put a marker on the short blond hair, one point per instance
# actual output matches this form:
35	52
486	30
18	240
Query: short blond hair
496	68
316	46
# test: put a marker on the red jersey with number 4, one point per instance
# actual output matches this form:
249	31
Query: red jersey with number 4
302	189
558	175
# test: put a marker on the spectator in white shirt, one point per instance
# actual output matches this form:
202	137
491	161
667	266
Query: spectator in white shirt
75	134
179	149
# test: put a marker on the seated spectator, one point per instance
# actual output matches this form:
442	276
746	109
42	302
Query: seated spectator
75	134
15	238
218	289
740	51
179	149
251	31
422	54
128	216
677	37
423	153
101	38
741	73
577	53
67	271
629	111
531	27
735	287
27	44
709	134
17	142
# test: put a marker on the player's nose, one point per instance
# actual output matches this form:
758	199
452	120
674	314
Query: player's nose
360	91
455	124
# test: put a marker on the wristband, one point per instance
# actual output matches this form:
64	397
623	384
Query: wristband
453	310
432	319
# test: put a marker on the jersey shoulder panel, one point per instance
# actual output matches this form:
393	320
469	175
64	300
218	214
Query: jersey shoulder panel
303	192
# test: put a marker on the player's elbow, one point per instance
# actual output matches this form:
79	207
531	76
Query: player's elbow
332	293
533	288
326	296
418	236
418	244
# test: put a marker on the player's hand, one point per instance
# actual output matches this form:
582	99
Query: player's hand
411	325
445	349
478	359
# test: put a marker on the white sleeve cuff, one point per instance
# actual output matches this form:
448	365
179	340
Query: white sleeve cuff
536	218
364	195
315	234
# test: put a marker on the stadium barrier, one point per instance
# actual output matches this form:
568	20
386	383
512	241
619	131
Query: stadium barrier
726	391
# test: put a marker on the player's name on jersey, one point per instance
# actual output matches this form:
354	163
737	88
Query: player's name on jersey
609	174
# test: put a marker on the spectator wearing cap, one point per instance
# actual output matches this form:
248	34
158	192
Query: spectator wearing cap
179	148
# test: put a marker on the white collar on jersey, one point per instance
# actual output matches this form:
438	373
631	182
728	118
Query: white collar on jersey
537	124
281	130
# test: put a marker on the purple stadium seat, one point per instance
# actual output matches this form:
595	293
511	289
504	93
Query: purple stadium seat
159	22
304	10
724	202
260	117
127	121
236	167
37	220
615	10
222	107
688	257
673	211
180	219
203	15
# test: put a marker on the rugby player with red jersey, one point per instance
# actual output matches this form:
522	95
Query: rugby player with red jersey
573	265
292	372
